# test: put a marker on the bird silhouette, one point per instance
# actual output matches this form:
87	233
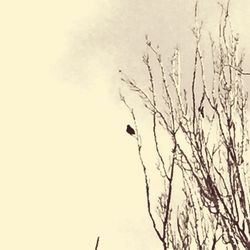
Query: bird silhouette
130	130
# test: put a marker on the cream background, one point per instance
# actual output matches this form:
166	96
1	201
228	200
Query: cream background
68	171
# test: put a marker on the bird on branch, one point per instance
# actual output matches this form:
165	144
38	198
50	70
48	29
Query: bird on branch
130	130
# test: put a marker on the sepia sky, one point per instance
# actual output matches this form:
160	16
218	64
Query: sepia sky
69	172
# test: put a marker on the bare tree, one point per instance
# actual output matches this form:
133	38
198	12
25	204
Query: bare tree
209	139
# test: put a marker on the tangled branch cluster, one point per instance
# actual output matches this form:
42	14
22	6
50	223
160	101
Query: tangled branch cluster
209	143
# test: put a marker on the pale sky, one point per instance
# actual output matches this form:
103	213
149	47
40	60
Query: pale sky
69	172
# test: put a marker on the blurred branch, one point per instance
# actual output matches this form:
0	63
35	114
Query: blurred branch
97	243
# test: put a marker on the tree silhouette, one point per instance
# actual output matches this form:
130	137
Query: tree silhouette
208	135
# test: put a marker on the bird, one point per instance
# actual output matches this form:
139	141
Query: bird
130	130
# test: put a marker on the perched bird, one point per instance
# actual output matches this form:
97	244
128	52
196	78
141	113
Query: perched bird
130	130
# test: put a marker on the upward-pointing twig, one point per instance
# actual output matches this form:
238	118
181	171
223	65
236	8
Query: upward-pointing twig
97	243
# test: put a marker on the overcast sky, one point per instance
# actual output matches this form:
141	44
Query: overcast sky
69	172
